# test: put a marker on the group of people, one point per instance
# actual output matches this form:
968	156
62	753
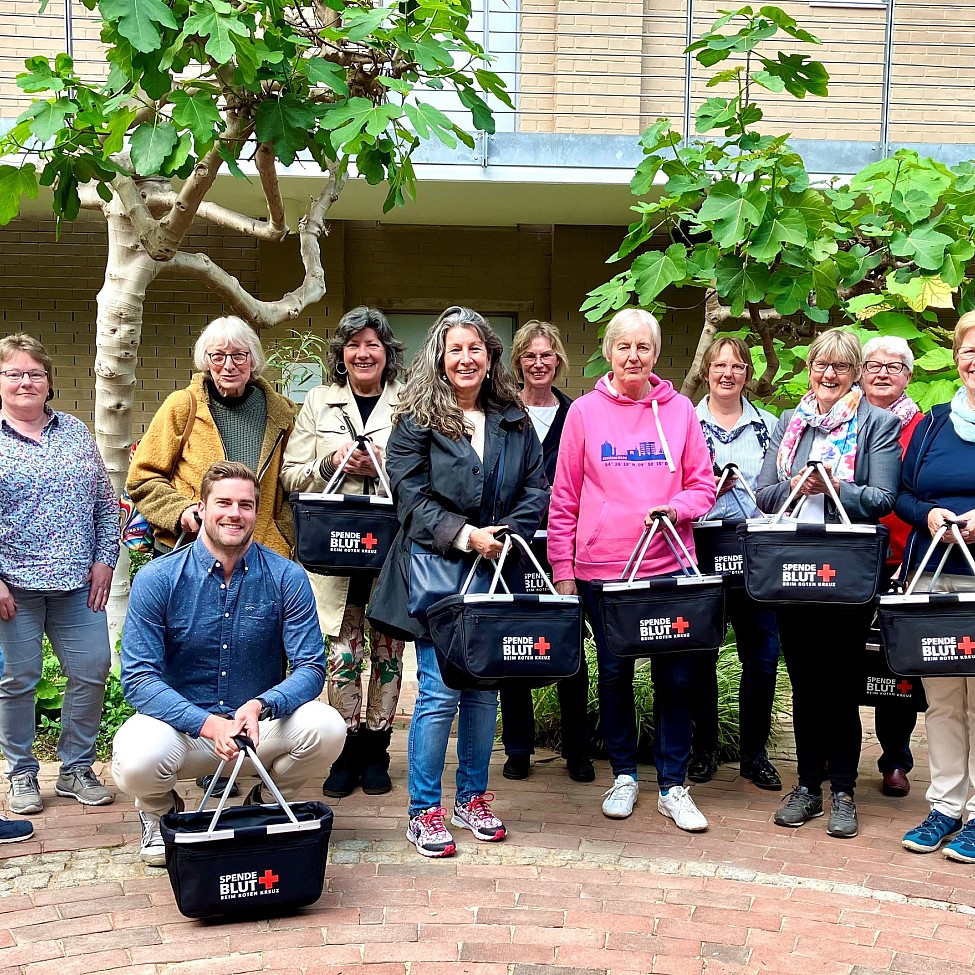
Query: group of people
225	635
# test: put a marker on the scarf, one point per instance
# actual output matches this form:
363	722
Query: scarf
963	416
904	408
714	432
840	423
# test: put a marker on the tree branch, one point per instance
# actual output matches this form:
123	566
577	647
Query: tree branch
264	161
763	386
694	380
136	209
219	216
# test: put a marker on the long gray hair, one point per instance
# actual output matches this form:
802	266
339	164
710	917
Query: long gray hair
429	398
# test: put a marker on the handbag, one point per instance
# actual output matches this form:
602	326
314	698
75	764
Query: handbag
486	641
664	614
787	562
246	860
931	634
717	544
345	534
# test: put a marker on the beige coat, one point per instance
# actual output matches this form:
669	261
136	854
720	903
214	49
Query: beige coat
319	431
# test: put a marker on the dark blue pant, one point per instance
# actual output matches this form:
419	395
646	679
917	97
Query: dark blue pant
518	717
758	651
671	675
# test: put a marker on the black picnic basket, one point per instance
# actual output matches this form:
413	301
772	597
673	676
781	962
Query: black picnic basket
486	641
790	562
717	544
931	634
881	686
537	582
345	534
251	861
664	614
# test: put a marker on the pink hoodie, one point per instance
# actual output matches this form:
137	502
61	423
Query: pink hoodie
618	458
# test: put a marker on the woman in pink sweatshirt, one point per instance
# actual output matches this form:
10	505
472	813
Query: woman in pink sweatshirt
631	448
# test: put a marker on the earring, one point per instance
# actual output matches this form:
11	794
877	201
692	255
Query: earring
341	369
487	375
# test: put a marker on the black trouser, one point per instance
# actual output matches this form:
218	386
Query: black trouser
518	717
758	651
823	646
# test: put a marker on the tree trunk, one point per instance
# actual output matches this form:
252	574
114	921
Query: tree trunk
694	380
128	273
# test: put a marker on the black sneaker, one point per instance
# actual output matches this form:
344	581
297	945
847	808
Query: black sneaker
702	766
762	772
842	816
798	807
204	783
517	767
580	769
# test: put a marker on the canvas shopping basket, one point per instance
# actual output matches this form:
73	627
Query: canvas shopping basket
882	686
345	534
931	634
247	860
537	582
486	641
789	562
665	614
717	544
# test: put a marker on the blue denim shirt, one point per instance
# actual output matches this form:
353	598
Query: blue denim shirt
193	646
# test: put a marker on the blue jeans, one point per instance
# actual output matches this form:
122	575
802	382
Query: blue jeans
79	637
671	675
433	714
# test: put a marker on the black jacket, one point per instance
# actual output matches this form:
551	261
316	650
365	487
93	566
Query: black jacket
439	485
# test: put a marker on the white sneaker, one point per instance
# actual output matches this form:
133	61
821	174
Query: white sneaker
621	799
152	849
679	806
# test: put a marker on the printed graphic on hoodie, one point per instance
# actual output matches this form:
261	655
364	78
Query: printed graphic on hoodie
645	453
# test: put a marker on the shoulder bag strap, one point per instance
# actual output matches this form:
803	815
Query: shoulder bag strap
187	430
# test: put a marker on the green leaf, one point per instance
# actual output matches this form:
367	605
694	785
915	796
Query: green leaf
740	283
824	283
320	71
655	271
286	123
359	24
426	119
799	74
218	30
931	394
646	170
47	118
15	182
789	291
936	360
481	113
118	125
957	256
139	21
178	157
924	244
40	78
786	227
768	80
723	77
927	291
151	144
730	212
714	113
897	324
198	113
608	297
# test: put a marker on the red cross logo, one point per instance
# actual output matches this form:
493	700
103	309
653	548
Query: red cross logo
966	645
905	687
826	573
680	624
542	646
268	879
370	541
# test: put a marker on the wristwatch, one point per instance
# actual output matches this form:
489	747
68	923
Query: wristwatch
267	712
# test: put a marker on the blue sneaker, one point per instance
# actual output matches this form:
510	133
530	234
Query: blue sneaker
962	847
929	836
13	831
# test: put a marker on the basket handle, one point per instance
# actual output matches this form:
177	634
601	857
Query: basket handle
499	565
950	525
670	534
247	750
362	443
804	475
526	548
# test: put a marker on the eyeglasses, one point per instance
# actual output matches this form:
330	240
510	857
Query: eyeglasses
219	358
966	355
738	368
840	368
531	357
872	367
17	375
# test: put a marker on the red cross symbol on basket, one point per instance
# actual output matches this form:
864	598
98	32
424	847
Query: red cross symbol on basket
268	879
542	646
680	625
905	687
826	573
370	541
966	644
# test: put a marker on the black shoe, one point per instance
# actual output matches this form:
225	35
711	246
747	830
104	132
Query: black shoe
702	766
798	807
517	767
344	776
255	797
374	761
842	816
580	769
762	772
204	783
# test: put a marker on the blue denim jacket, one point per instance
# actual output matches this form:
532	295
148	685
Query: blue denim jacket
193	646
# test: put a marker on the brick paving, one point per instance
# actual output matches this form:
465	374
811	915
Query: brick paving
569	893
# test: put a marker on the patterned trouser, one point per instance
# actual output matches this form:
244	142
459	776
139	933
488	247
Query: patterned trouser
345	665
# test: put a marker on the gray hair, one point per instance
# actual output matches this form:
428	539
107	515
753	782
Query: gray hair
626	321
892	345
835	342
350	324
233	331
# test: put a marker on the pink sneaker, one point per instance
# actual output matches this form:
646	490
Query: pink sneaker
429	835
476	815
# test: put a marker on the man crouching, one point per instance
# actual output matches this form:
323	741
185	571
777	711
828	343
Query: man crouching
208	632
